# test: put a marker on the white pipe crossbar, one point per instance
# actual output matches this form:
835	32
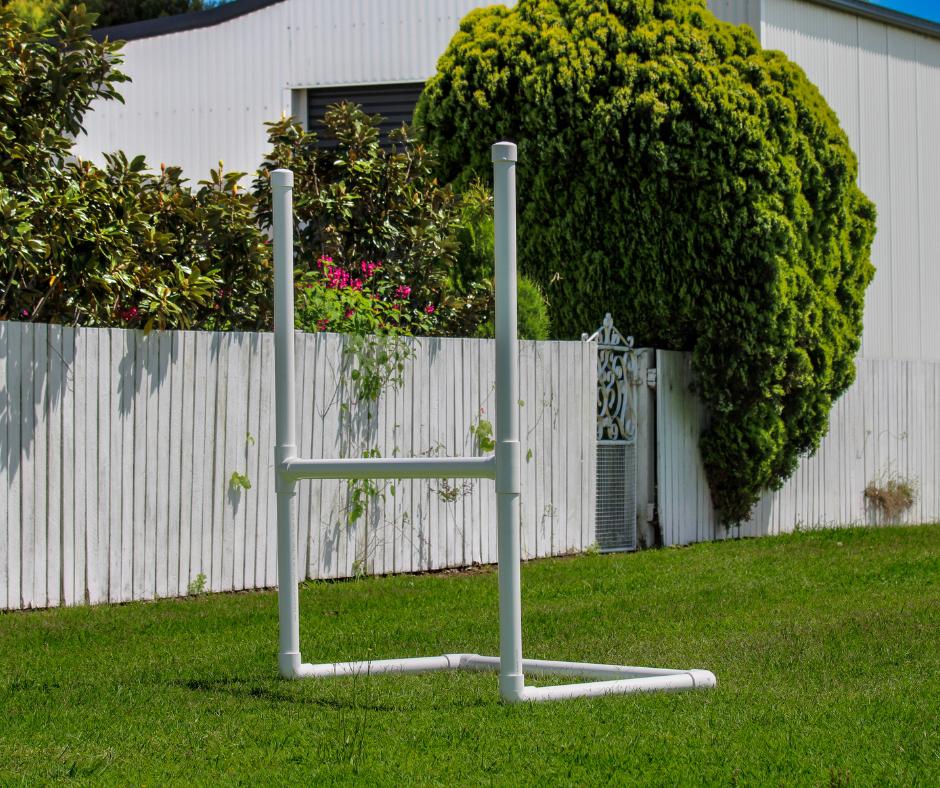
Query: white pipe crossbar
383	468
504	468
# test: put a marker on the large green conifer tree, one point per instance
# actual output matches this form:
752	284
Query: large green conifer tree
696	186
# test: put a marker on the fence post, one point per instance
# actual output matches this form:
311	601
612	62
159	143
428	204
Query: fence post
282	185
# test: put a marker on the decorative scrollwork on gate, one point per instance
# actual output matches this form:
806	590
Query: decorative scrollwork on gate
616	383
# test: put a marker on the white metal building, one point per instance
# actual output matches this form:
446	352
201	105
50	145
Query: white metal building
205	83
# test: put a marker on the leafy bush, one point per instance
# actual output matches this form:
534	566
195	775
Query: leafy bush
116	246
532	310
475	262
45	88
331	300
35	14
357	204
700	189
197	259
531	313
476	242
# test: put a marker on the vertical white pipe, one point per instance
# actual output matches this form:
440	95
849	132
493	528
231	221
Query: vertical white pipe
282	184
511	679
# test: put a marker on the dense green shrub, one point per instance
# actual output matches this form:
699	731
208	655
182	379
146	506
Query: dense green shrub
532	311
700	189
83	245
475	261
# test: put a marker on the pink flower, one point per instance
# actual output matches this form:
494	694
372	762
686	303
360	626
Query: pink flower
349	314
429	309
337	278
403	291
396	306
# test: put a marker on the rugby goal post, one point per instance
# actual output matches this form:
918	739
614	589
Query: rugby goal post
504	468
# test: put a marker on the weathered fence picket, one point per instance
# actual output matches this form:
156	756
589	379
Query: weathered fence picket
117	453
886	423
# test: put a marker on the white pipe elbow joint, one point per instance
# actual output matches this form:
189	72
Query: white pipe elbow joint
512	689
288	665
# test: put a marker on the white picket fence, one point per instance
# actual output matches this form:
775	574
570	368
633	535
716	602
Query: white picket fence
117	453
888	422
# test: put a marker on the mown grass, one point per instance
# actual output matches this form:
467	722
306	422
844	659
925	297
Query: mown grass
827	659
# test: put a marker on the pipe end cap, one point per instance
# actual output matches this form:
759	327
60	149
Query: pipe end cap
282	178
703	679
505	151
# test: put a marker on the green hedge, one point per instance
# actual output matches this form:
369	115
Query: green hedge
697	187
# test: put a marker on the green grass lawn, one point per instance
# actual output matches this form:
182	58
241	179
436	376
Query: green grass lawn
827	657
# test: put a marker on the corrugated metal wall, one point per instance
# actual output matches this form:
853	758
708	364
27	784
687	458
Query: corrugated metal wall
199	96
884	84
887	423
362	41
203	95
738	12
117	452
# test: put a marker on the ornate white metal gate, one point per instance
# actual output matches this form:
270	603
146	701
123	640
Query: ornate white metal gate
617	381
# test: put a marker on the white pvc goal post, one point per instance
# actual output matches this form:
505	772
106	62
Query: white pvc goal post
504	468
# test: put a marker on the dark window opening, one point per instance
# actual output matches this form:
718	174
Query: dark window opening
395	102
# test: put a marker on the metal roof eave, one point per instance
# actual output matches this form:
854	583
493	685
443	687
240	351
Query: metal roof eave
878	13
214	16
179	23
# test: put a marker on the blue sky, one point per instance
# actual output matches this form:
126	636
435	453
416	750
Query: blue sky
925	9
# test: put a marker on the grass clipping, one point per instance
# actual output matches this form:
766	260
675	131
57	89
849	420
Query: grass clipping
892	494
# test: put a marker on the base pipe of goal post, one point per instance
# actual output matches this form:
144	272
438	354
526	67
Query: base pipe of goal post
504	468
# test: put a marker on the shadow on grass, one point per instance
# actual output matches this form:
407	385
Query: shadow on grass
278	695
